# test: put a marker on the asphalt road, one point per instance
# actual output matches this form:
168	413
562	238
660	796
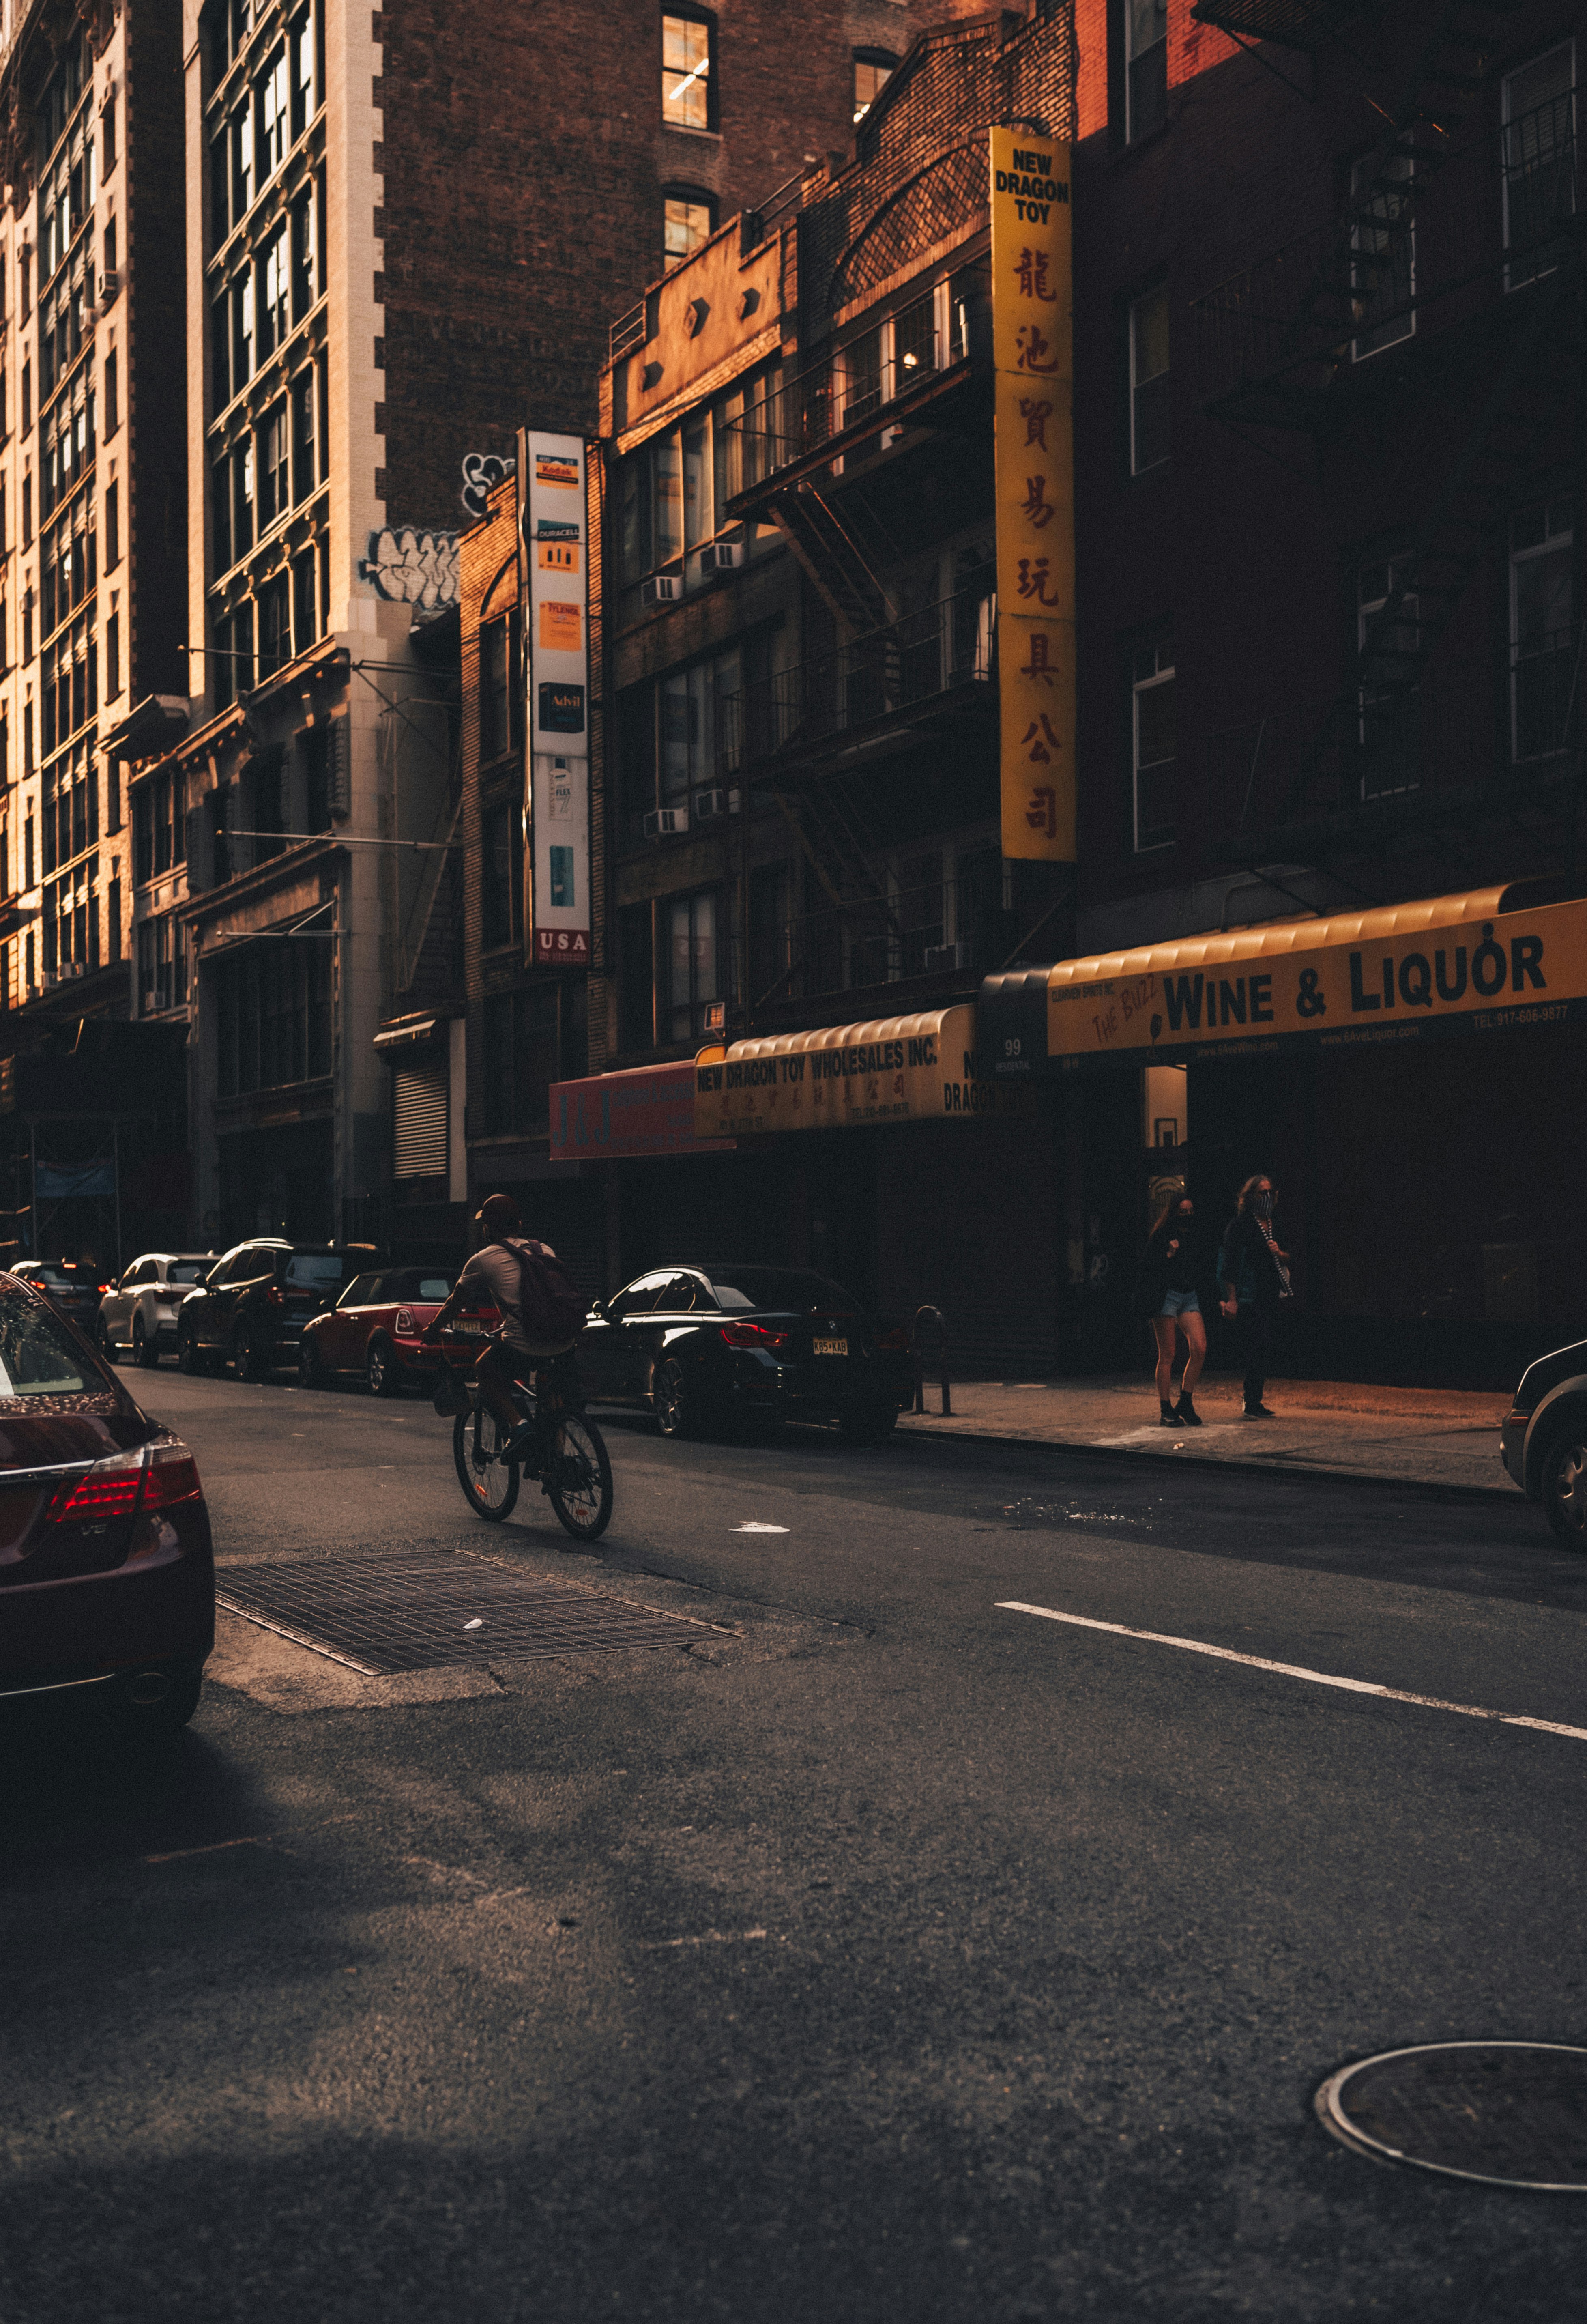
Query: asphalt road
880	1954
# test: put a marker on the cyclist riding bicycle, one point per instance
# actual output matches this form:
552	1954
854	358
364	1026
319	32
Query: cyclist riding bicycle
494	1277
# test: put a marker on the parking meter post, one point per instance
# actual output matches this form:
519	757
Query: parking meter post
928	1345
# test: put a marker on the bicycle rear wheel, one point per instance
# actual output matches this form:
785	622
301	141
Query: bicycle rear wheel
489	1482
579	1486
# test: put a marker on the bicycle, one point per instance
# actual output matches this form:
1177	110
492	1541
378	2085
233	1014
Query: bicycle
567	1458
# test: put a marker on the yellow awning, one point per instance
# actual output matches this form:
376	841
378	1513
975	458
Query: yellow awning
919	1068
1375	974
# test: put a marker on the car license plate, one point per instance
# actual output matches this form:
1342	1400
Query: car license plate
830	1347
469	1331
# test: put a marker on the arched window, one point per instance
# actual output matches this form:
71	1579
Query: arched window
690	215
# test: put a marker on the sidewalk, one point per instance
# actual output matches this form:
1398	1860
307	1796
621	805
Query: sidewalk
1424	1436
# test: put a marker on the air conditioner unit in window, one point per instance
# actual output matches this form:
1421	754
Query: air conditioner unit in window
709	805
660	589
937	957
722	557
150	1003
662	823
109	289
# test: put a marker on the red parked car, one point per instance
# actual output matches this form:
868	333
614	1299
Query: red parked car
374	1327
106	1572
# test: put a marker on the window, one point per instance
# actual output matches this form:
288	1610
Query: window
698	710
301	42
113	657
690	219
1376	583
500	876
498	726
1145	37
112	526
241	163
273	1016
523	1057
273	109
636	999
304	599
274	481
163	980
275	308
687	92
27	511
241	322
276	626
1383	241
1541	658
27	396
305	258
112	393
873	68
1539	113
107	135
305	436
1152	747
1148	380
689	965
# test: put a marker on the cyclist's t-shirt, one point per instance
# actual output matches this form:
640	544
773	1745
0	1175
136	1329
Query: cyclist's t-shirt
495	1271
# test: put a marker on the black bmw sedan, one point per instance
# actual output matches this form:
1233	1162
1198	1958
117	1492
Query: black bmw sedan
706	1346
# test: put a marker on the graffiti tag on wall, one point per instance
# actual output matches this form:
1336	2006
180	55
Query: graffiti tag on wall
481	472
413	567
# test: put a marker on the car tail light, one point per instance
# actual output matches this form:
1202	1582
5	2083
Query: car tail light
275	1296
753	1335
151	1478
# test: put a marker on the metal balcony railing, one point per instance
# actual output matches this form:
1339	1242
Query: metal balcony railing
943	646
851	386
1489	212
952	927
1314	759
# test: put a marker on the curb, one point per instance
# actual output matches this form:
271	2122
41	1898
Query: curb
1313	1473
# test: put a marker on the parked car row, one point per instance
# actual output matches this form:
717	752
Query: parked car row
702	1345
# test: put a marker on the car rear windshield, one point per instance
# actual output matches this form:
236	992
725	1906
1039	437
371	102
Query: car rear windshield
188	1270
63	1274
318	1270
780	1288
37	1357
417	1283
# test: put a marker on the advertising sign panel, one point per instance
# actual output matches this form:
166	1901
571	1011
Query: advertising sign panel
901	1069
554	566
1033	385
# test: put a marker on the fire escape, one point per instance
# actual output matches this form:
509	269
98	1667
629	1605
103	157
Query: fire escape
1468	246
808	459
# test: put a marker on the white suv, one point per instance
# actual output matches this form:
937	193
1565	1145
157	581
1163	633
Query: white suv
140	1312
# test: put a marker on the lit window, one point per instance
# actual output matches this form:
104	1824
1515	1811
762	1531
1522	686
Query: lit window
686	72
689	966
873	68
690	223
272	116
1148	380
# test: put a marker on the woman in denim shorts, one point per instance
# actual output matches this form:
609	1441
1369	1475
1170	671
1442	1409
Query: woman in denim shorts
1169	1300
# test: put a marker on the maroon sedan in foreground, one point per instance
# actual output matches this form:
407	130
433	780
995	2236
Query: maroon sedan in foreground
106	1572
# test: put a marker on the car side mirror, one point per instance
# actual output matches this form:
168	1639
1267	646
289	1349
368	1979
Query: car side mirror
600	1311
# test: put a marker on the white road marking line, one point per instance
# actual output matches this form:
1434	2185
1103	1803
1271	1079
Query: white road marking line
1297	1670
760	1528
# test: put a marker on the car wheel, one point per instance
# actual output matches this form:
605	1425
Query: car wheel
1564	1484
381	1369
245	1361
676	1402
158	1700
107	1344
310	1370
144	1356
190	1356
868	1424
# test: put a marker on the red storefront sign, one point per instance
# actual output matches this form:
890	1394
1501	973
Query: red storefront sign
650	1110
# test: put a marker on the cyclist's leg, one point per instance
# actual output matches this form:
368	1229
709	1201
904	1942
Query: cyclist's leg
495	1374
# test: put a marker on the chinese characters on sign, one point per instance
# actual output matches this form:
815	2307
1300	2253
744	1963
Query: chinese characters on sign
551	514
1033	368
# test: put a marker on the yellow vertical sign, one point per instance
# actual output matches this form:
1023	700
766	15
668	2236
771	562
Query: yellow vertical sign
1034	381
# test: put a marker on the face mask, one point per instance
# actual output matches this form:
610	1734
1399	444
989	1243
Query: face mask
1263	1206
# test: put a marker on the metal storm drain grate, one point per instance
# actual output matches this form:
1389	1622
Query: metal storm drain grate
1513	2114
427	1609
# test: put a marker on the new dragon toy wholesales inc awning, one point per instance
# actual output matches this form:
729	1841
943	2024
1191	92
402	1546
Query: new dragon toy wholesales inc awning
920	1068
1477	962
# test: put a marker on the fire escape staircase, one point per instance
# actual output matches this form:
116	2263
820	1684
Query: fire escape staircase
841	549
1437	97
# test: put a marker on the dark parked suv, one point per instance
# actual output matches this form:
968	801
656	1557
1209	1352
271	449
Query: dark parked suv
253	1304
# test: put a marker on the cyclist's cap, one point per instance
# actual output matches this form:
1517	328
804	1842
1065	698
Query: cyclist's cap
499	1213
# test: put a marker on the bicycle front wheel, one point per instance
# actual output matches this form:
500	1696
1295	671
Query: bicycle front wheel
489	1482
579	1486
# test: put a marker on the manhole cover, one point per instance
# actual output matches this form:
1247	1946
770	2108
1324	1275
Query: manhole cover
426	1609
1513	2114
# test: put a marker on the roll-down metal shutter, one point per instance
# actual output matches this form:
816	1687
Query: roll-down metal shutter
419	1106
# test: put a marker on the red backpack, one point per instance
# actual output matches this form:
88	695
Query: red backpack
552	1310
